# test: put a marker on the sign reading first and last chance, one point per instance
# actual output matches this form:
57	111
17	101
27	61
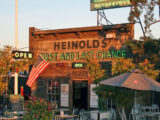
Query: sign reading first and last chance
81	49
63	56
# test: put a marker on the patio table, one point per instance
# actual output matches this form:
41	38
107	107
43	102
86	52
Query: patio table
58	110
63	117
10	118
14	113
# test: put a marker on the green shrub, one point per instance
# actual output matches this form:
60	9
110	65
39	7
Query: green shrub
37	109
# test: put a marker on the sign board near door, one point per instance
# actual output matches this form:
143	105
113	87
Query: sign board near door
65	95
93	97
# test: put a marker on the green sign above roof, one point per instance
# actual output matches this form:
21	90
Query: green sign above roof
107	4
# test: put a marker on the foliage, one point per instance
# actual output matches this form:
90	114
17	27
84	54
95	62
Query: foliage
122	65
9	65
123	97
149	70
95	71
38	109
120	95
146	8
152	50
141	50
135	50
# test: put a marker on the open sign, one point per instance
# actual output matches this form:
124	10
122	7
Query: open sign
22	55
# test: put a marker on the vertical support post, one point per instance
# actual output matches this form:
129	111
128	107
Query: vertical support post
97	17
16	24
135	95
16	84
16	46
153	97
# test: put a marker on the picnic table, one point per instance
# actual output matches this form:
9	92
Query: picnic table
63	117
10	118
14	113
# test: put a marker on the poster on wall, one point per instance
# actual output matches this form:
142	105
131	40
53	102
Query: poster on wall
65	95
93	97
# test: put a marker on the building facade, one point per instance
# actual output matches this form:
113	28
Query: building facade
66	80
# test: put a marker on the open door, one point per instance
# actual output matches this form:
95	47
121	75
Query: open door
80	94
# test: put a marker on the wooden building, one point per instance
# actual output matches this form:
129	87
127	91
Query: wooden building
66	80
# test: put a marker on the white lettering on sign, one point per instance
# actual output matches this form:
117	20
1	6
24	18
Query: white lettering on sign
22	54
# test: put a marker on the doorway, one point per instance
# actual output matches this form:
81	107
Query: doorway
80	94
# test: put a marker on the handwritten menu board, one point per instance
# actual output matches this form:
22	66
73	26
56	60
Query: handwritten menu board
17	102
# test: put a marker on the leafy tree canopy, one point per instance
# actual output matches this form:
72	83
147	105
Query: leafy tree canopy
146	8
8	65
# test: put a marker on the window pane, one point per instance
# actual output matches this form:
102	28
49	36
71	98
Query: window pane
53	88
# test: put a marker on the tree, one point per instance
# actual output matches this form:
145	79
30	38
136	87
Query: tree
95	70
149	69
8	65
141	50
122	65
146	8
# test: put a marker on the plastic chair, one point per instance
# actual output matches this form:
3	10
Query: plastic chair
155	108
140	117
75	111
85	115
136	109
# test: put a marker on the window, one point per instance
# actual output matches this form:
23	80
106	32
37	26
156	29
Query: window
53	91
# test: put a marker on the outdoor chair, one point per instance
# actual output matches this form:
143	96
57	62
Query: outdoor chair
136	109
93	115
108	115
84	115
159	117
113	113
139	117
75	111
155	108
73	116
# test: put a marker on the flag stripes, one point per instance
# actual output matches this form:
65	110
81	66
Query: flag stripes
37	69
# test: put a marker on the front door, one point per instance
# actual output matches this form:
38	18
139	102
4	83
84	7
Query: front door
80	94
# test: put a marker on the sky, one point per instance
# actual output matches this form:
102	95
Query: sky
56	14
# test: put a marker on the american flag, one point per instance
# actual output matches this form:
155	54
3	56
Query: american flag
38	67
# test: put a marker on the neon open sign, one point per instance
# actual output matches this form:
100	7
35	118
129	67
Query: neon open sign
77	65
22	55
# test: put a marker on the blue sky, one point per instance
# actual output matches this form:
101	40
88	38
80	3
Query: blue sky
55	14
